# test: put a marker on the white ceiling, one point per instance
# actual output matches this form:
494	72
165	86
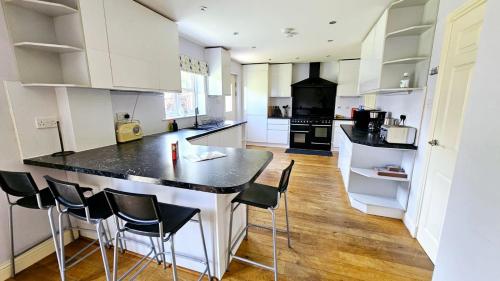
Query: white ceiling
260	24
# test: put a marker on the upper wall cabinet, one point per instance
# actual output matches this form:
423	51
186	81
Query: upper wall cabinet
219	71
400	42
348	78
93	43
280	80
143	47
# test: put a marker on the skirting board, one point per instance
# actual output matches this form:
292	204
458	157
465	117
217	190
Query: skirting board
32	256
410	225
268	144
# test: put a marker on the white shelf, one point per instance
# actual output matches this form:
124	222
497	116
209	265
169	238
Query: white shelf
406	60
391	91
55	48
53	85
44	7
371	173
386	202
410	31
407	3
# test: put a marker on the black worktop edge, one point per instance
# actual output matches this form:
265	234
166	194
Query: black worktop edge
375	144
177	184
206	133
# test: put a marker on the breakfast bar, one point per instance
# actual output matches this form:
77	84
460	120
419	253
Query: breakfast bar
146	166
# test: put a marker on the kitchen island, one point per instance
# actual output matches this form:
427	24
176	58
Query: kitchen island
146	166
360	153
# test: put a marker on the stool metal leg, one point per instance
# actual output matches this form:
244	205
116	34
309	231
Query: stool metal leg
54	235
287	224
12	255
172	253
275	256
157	257
229	239
204	247
115	256
246	230
102	245
62	264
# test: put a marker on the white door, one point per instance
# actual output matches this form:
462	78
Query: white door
456	68
231	110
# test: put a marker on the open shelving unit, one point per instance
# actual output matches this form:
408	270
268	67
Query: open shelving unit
56	48
371	173
410	31
400	42
45	7
48	42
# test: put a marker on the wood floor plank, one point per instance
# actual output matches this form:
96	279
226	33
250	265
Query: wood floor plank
330	240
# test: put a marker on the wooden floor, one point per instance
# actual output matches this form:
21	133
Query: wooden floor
330	240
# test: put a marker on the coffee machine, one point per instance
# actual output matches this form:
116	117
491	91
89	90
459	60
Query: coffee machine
370	120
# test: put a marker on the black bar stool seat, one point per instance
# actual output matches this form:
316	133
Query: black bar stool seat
98	208
177	216
46	197
258	195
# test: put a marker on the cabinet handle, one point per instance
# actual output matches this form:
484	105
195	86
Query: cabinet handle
299	131
325	143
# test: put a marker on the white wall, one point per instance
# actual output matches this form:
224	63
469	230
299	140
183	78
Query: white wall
415	199
470	242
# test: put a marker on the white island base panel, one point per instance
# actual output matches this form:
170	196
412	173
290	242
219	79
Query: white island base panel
215	211
377	205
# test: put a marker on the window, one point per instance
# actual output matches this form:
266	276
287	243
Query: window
193	95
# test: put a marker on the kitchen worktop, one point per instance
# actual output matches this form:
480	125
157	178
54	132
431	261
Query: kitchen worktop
149	160
365	138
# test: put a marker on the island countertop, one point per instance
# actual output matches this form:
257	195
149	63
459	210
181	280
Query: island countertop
365	138
149	160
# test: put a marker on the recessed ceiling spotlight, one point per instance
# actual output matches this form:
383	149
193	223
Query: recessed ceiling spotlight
253	47
330	40
203	8
297	58
327	56
289	31
333	22
269	59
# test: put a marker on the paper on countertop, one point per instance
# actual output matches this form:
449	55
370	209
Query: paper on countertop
204	156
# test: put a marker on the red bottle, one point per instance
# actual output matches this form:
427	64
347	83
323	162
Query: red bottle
175	150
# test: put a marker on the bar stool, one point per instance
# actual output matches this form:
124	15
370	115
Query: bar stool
144	216
94	210
22	184
264	197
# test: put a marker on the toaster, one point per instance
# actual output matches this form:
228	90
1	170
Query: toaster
128	131
398	134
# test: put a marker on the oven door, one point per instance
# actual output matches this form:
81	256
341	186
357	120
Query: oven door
299	136
321	136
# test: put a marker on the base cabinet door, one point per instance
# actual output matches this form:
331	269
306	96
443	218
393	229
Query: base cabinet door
277	137
256	128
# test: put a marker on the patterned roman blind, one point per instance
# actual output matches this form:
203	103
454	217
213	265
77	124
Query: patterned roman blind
193	65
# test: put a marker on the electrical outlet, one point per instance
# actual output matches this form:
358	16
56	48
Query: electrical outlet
120	116
45	122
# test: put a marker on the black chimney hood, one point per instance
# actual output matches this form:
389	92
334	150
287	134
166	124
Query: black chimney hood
314	80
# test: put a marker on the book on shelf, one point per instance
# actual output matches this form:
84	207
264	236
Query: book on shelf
392	171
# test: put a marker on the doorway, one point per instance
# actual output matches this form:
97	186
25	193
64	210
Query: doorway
230	104
458	59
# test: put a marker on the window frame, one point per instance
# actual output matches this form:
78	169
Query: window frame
195	91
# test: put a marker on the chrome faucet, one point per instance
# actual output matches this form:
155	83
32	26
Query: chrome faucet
196	112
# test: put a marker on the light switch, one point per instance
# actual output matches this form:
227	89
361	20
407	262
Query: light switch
45	122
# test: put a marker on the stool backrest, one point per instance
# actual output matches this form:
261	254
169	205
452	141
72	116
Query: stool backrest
285	177
67	194
19	184
134	207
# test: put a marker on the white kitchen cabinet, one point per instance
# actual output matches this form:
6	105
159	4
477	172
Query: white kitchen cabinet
256	128
278	131
255	91
338	133
348	78
219	75
280	80
144	52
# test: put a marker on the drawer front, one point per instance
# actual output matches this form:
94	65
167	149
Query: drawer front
278	127
277	137
278	121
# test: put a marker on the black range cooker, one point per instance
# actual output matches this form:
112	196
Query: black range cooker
311	133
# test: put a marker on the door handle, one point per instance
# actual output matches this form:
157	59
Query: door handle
433	142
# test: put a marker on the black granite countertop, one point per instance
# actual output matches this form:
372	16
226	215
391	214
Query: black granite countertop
149	160
363	137
343	119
